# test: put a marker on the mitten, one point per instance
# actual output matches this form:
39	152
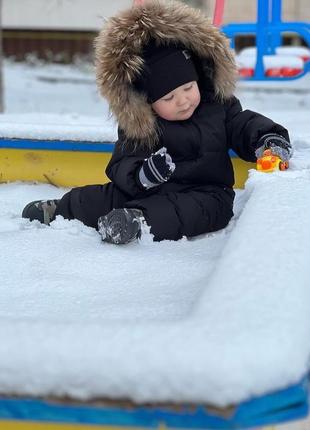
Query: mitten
156	169
277	144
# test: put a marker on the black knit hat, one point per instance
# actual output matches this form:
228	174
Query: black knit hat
166	68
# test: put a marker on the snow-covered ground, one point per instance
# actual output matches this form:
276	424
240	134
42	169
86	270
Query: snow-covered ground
218	319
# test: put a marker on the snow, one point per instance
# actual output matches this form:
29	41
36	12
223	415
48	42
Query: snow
73	127
285	56
271	61
77	295
54	102
217	319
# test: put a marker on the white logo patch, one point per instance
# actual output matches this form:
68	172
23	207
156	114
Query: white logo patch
186	54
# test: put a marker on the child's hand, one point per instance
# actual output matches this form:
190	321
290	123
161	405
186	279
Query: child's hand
137	2
277	144
156	169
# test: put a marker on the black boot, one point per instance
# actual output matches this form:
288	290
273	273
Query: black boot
120	226
41	210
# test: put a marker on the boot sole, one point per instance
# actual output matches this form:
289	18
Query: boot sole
119	228
31	215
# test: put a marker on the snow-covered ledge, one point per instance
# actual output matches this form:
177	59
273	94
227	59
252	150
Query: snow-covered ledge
249	334
49	126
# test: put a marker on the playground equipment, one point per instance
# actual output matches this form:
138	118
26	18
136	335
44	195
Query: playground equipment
268	30
288	61
70	163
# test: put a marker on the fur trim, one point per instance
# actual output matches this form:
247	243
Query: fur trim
118	56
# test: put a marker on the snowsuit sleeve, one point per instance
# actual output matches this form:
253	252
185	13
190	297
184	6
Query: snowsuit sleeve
245	128
124	166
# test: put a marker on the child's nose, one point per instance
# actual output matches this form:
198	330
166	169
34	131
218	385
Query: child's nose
182	100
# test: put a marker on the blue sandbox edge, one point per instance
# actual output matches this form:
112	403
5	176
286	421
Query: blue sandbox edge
62	145
56	145
277	407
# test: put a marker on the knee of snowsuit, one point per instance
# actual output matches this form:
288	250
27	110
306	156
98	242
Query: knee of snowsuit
171	212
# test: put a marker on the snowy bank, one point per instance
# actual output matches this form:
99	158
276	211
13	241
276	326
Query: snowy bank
43	126
200	332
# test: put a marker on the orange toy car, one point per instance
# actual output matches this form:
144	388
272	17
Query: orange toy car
270	162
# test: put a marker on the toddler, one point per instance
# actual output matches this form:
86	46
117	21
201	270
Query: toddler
169	78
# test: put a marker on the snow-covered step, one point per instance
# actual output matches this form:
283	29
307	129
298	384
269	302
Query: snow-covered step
259	298
51	126
288	61
274	65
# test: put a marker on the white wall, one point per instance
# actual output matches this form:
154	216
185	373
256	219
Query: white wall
59	14
87	14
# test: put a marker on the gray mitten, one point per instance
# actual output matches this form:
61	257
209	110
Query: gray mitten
156	169
277	144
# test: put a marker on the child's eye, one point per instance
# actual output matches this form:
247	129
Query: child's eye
167	99
188	88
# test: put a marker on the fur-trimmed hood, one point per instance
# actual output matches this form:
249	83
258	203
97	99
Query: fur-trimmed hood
118	56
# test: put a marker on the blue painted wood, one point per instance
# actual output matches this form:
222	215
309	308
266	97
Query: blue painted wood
281	406
56	145
268	29
63	145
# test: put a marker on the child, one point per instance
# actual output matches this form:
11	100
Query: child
169	78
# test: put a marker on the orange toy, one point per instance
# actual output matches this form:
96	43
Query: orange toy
270	162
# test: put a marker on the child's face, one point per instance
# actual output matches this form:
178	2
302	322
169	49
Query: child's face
179	104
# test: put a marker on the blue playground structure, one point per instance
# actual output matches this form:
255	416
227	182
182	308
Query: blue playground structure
268	30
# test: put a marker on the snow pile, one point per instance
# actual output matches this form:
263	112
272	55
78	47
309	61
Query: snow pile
297	51
226	315
53	102
51	126
271	61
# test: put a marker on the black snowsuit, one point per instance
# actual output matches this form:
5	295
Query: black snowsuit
198	198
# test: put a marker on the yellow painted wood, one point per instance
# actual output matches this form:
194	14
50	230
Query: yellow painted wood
60	168
241	169
29	425
71	168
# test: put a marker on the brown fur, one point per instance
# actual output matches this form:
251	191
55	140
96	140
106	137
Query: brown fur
118	49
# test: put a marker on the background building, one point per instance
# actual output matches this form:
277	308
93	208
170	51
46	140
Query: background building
59	30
